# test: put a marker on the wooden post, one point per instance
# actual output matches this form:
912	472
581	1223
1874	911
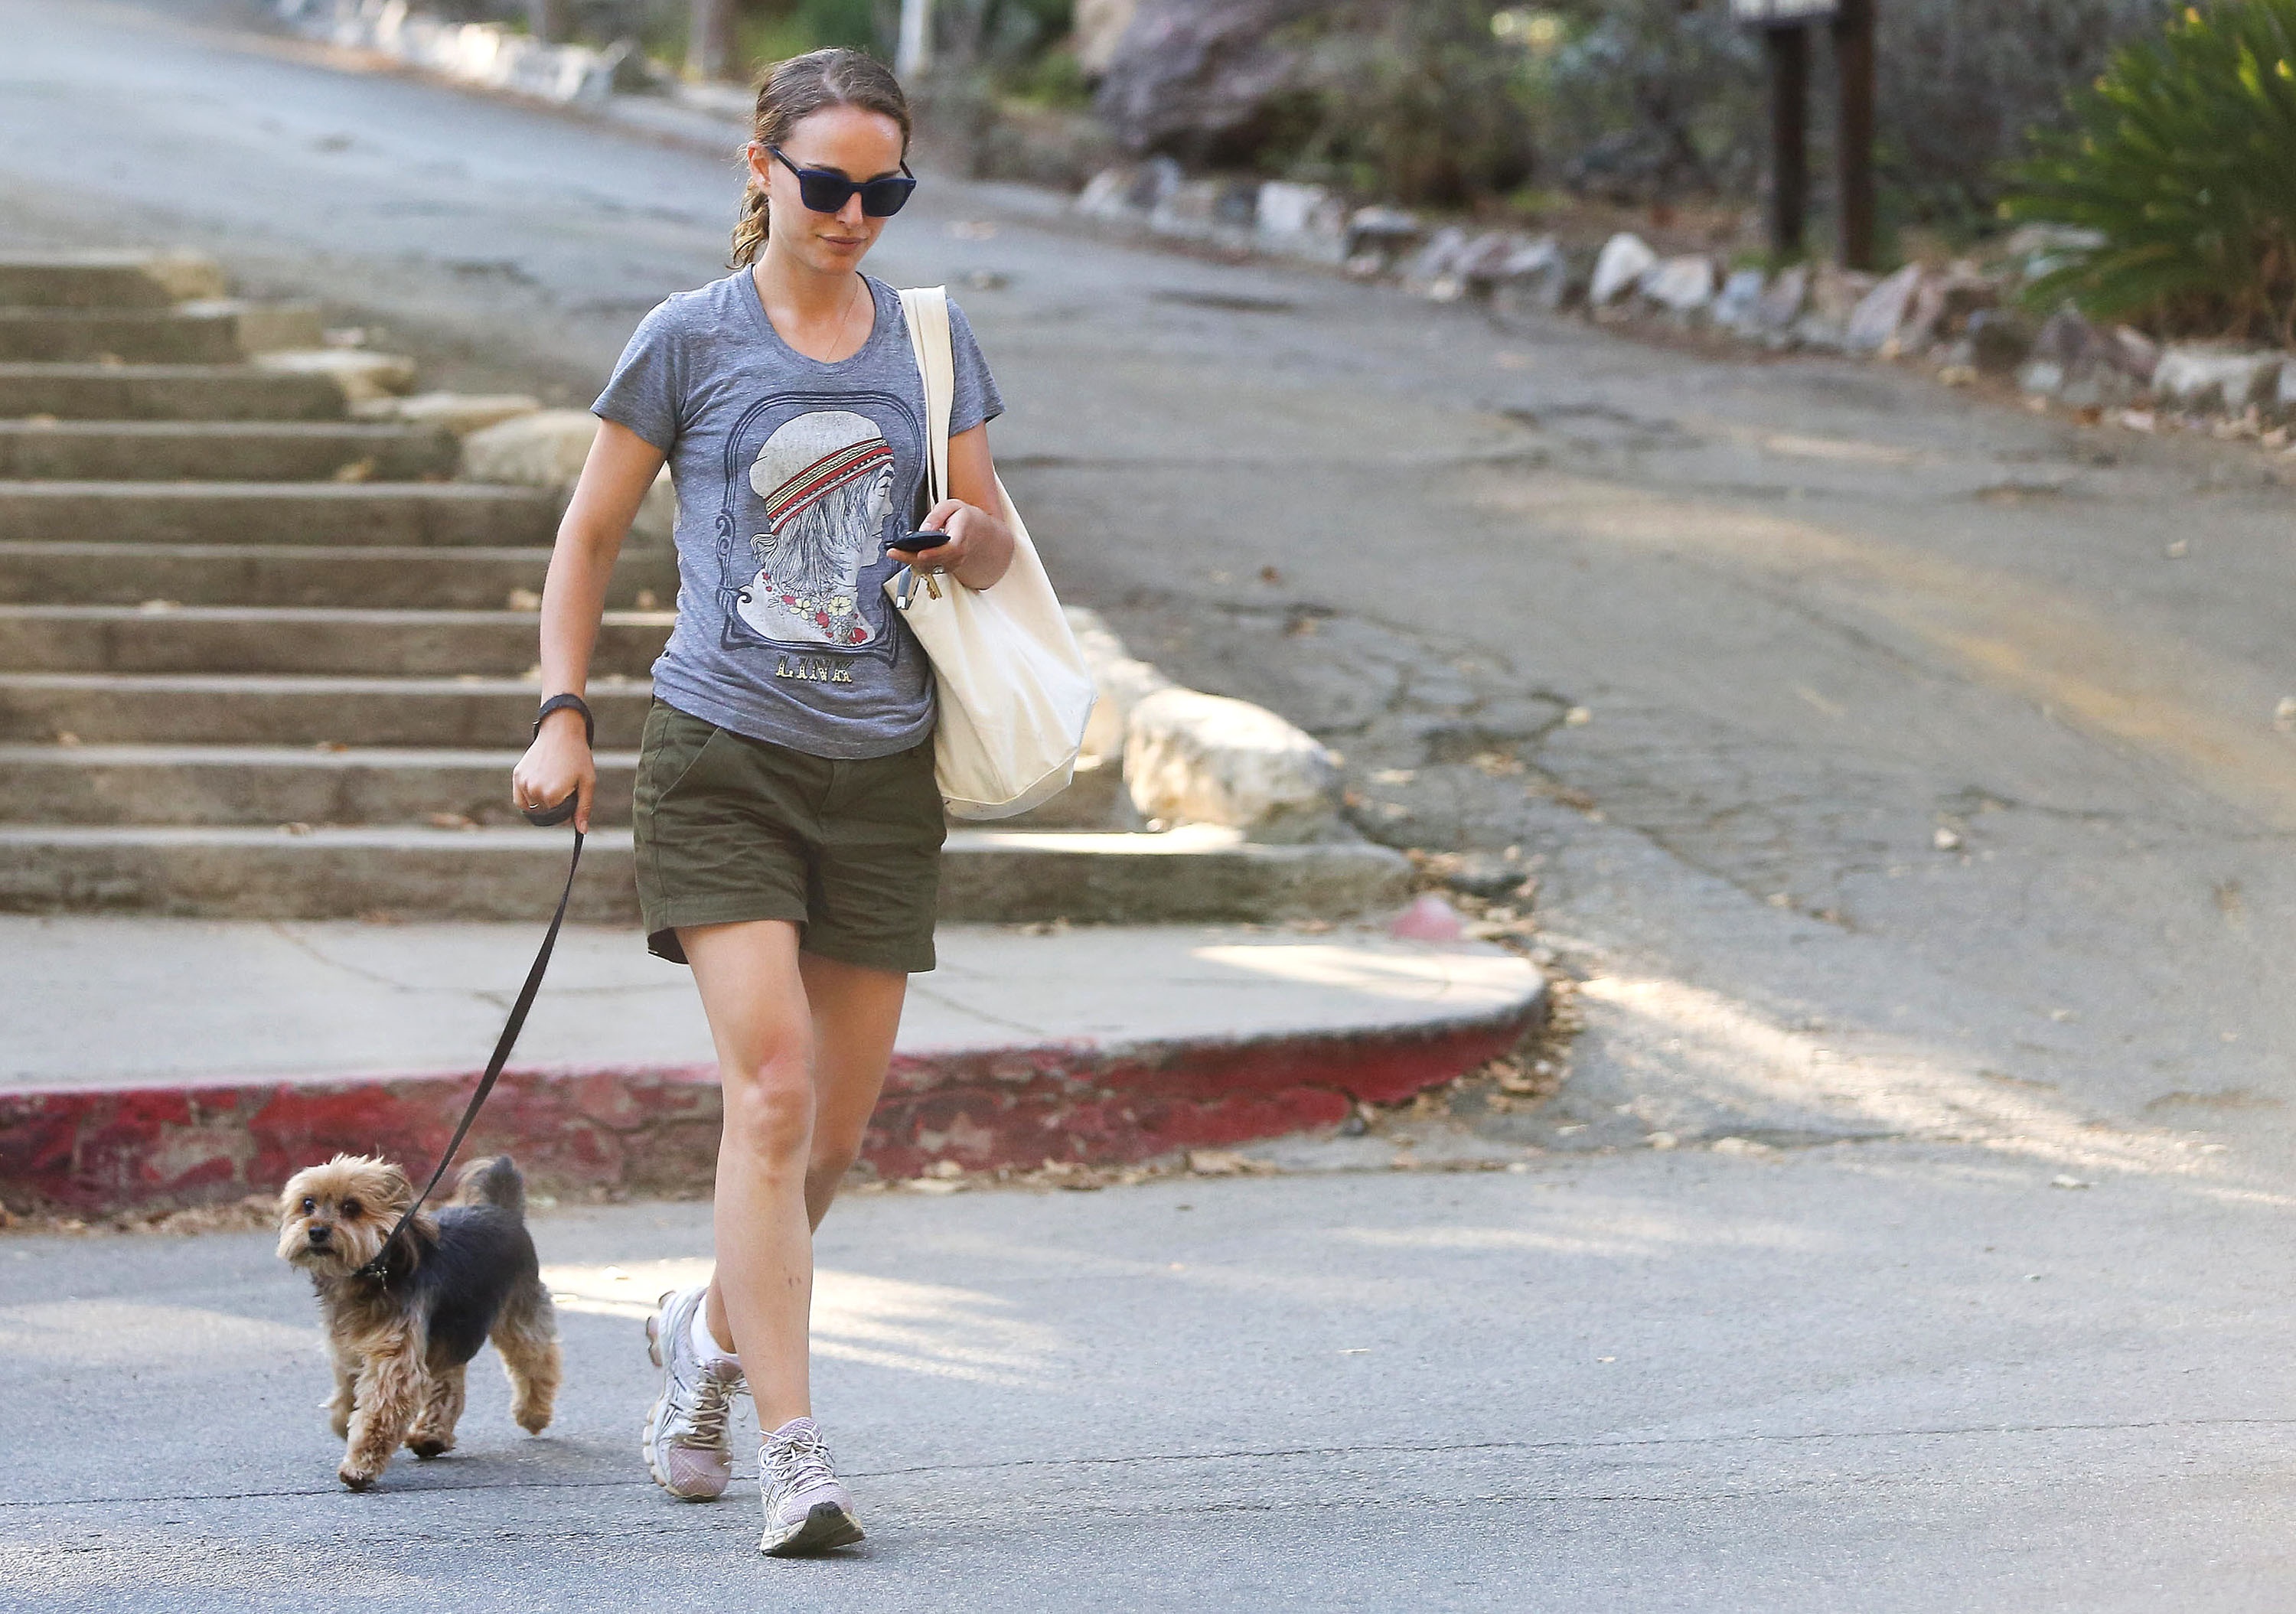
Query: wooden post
1789	53
1853	60
550	21
710	45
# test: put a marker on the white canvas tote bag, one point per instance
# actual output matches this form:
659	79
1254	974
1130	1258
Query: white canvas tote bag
1014	690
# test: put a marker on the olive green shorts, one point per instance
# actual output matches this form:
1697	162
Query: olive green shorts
730	828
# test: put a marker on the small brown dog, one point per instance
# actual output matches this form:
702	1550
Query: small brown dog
399	1339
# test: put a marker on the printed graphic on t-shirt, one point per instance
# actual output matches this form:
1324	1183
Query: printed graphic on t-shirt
826	479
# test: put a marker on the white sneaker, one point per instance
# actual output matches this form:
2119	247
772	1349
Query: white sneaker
807	1508
686	1450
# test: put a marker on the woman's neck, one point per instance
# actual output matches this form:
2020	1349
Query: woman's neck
816	312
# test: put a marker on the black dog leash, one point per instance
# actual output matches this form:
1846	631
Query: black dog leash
543	818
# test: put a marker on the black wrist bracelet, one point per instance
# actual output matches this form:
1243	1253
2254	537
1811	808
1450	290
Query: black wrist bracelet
559	703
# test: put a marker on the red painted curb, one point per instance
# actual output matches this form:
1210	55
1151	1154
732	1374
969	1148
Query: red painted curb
654	1128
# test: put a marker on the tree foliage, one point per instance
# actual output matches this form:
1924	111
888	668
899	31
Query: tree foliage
2182	159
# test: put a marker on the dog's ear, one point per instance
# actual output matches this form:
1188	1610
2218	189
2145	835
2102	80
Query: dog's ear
393	1185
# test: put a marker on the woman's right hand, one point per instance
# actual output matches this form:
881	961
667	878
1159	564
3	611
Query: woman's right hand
555	766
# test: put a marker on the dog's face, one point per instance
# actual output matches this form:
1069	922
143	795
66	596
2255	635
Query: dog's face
334	1219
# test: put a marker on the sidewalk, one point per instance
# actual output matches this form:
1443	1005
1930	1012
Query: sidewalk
149	1061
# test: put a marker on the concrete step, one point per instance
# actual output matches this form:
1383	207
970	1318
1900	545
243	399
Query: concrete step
1093	800
261	574
1192	875
106	279
330	784
165	392
288	639
212	332
222	451
1197	873
317	513
151	1063
159	784
219	709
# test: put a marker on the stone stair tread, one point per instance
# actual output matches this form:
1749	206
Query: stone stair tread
105	277
163	754
294	709
80	389
313	515
368	432
312	615
209	330
61	488
510	872
427	554
1186	840
64	571
293	639
379	686
140	369
175	451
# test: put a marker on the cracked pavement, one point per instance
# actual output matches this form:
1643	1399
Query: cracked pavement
1900	775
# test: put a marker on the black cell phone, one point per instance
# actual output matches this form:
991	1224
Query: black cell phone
917	543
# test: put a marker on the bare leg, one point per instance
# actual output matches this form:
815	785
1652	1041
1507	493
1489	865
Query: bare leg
762	1293
855	1013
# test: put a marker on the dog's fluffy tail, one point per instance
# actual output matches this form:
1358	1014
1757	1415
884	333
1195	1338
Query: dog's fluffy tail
495	1180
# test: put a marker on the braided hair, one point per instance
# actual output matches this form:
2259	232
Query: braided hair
792	91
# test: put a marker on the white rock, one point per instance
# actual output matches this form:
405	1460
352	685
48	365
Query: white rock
1286	208
1740	297
1439	259
1873	322
1681	285
1625	260
1190	757
363	377
1782	303
1123	682
460	413
2198	376
545	449
1104	195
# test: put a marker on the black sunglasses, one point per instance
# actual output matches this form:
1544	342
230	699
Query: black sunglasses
823	191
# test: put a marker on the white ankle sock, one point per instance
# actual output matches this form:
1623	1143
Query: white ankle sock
704	1342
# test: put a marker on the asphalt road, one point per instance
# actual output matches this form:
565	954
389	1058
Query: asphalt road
1888	1378
1811	615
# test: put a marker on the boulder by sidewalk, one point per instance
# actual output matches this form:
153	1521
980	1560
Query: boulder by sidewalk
363	377
1682	286
546	449
1875	322
1123	682
2205	376
1190	757
1625	258
460	413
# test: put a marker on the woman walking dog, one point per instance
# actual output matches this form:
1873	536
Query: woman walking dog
788	827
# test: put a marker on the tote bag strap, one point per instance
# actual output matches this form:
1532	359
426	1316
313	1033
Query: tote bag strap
925	311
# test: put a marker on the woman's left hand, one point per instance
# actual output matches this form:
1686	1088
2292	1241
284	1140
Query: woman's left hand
979	546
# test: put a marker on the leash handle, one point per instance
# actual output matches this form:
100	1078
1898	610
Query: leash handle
503	1045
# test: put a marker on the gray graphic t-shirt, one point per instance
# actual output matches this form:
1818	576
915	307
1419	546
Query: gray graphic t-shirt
792	475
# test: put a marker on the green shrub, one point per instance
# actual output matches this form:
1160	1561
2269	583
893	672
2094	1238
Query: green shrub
1411	100
2182	159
